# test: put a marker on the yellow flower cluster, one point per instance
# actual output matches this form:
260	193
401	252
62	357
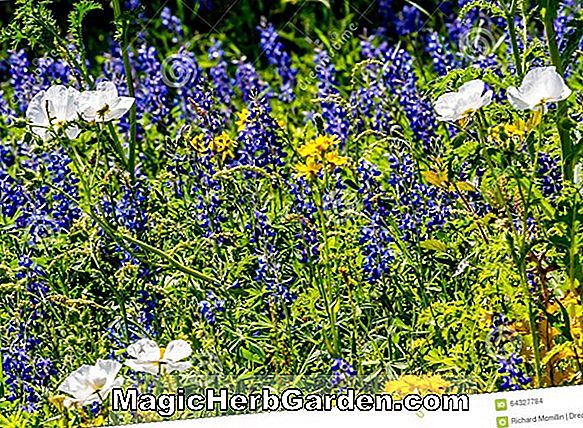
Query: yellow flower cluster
318	154
563	359
422	385
518	130
222	145
242	118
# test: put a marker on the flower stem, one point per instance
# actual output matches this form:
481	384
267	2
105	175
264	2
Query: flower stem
550	15
125	46
509	14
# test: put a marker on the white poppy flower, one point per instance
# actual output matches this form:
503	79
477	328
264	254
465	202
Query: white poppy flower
150	358
88	383
461	105
104	104
540	86
53	108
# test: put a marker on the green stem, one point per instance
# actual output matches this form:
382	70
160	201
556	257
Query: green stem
519	259
327	291
130	84
563	110
123	238
509	14
117	145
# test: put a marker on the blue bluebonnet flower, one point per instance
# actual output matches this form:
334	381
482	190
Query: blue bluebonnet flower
5	110
399	79
259	142
193	177
370	109
269	270
336	119
567	10
151	92
419	209
195	94
408	20
550	175
27	78
126	206
39	210
132	4
22	79
342	371
147	315
278	57
209	307
64	212
513	377
375	237
222	83
386	12
12	193
172	24
443	60
307	237
25	369
249	82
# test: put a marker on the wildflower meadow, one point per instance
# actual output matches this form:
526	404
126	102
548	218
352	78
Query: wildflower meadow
385	195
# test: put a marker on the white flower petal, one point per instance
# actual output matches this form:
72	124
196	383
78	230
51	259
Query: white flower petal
73	132
177	350
454	106
473	87
56	106
144	350
108	89
141	366
178	367
75	383
120	107
540	86
516	100
110	367
88	383
36	115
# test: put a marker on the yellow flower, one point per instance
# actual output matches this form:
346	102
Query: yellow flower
422	385
223	145
535	120
242	119
324	142
334	159
309	150
318	147
198	143
310	170
516	130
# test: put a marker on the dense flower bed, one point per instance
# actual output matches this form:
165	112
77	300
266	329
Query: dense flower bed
394	206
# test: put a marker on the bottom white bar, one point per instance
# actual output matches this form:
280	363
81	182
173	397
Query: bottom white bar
552	407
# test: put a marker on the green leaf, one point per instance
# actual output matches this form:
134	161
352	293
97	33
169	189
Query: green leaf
76	17
435	245
573	42
254	354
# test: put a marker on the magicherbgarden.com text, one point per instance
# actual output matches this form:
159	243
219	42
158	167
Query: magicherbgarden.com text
293	399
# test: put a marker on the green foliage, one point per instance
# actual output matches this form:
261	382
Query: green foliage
488	6
33	24
76	18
